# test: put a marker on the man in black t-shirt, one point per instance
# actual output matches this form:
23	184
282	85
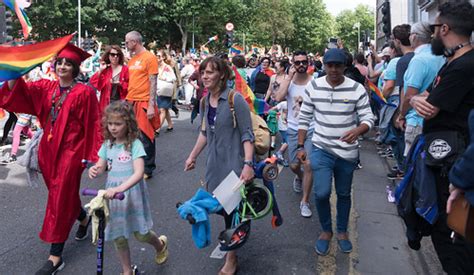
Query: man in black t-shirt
447	108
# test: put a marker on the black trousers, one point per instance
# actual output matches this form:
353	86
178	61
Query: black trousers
57	248
12	119
149	146
457	257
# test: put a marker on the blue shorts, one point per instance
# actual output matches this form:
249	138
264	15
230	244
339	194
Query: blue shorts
292	137
284	137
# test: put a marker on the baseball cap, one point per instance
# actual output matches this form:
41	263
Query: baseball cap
385	52
335	56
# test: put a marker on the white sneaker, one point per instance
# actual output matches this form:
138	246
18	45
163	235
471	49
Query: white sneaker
305	210
297	185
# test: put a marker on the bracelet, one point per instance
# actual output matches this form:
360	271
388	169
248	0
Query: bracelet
248	162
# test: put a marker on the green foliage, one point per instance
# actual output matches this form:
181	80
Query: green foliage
313	26
298	24
346	25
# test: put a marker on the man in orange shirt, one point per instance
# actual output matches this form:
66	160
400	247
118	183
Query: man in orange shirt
143	71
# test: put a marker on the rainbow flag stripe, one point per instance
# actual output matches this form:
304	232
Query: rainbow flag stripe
21	14
378	94
17	61
237	49
257	105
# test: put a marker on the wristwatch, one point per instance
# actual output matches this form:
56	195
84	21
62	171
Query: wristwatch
299	147
248	162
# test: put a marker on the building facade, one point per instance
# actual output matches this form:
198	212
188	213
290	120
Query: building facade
407	11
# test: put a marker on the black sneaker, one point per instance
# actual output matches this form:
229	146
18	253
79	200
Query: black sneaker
49	268
395	175
11	159
81	233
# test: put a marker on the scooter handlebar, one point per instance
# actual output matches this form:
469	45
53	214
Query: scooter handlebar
94	192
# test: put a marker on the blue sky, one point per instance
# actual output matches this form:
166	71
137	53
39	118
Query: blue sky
336	6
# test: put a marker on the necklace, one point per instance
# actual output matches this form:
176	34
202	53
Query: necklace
56	106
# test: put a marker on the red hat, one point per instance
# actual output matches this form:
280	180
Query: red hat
73	53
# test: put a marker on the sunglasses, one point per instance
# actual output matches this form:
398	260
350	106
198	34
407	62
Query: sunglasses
433	26
113	54
298	63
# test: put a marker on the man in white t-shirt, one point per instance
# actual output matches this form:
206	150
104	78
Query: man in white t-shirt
292	89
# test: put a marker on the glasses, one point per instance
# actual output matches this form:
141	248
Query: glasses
298	63
159	56
433	26
113	54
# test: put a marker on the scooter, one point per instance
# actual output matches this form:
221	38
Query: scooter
100	242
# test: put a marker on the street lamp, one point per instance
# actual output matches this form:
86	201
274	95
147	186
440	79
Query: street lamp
357	25
79	22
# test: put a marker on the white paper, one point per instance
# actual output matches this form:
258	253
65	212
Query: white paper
217	253
228	192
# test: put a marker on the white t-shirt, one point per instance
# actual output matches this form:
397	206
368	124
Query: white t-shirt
282	108
295	100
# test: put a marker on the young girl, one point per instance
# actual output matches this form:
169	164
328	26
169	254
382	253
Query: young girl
122	153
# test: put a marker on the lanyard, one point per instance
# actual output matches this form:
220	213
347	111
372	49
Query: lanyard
56	107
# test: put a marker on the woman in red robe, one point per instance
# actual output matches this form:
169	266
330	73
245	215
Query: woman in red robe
69	114
112	78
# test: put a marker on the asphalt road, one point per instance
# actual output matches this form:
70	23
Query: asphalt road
288	249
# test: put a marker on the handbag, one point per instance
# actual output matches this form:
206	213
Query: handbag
461	218
164	88
442	148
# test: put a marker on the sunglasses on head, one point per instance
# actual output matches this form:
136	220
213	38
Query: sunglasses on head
113	54
298	63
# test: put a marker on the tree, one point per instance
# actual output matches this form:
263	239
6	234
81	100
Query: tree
346	25
272	22
313	25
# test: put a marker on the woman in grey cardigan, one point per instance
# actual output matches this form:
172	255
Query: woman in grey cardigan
228	147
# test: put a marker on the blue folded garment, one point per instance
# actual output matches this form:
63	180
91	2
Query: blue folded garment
200	206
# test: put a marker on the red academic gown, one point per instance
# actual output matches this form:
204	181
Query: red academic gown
101	81
74	137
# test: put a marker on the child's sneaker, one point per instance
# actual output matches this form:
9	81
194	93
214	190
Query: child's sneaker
163	255
281	159
297	185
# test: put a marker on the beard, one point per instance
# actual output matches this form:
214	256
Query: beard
437	46
302	69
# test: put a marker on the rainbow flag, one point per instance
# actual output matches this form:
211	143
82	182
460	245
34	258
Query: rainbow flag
17	61
214	38
257	105
18	6
237	49
377	94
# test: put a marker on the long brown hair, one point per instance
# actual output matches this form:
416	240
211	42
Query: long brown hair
125	111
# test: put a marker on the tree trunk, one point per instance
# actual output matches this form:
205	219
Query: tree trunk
184	33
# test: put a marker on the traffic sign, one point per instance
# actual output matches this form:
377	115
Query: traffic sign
229	27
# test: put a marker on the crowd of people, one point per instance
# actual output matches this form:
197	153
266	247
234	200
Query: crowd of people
320	106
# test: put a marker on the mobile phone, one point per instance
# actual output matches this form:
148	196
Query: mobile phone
333	40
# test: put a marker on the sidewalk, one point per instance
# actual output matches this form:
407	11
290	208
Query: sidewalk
382	246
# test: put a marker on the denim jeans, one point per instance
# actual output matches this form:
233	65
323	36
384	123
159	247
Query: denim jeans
325	166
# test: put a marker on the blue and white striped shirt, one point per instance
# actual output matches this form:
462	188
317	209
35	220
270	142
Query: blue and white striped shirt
335	111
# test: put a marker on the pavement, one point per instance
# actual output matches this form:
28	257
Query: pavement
376	230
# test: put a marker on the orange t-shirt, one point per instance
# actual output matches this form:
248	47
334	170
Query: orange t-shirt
140	67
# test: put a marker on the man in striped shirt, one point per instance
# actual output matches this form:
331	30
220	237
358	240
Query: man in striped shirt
335	103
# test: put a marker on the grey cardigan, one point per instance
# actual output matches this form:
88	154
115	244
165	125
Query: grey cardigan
225	151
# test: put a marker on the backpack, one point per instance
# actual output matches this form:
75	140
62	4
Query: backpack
259	126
